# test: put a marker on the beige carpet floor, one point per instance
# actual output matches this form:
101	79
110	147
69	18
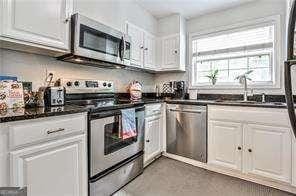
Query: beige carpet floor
167	177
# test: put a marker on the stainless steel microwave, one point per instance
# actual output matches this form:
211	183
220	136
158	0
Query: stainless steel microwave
93	43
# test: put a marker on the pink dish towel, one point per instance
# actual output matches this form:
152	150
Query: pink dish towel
128	122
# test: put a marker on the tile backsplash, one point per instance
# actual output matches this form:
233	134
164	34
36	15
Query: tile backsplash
34	68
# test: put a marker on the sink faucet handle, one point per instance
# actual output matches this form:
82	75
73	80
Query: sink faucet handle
263	97
251	92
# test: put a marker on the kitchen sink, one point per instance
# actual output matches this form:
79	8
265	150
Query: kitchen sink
248	102
251	102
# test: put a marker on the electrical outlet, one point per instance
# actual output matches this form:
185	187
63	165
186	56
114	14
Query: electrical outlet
48	71
47	75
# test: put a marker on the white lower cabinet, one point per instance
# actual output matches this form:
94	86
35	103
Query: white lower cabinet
257	142
152	138
153	132
268	151
225	144
54	168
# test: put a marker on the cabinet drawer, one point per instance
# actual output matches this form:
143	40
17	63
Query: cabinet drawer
43	129
153	109
268	116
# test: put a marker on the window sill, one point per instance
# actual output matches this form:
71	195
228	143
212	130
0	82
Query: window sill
233	86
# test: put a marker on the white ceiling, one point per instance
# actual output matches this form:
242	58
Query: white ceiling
187	8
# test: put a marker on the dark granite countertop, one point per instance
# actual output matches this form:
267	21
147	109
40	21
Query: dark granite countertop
228	103
38	112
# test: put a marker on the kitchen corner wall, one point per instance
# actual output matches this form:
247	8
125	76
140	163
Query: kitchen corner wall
114	13
249	11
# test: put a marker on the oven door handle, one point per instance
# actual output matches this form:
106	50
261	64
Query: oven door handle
105	114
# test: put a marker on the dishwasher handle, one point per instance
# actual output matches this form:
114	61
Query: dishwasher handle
188	111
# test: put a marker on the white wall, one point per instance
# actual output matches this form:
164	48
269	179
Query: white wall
249	11
31	67
116	12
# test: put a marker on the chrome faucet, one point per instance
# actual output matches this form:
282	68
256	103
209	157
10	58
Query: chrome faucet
243	79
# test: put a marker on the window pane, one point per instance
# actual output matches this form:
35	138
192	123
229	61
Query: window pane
204	66
222	76
234	73
260	75
259	61
233	54
201	76
238	63
220	64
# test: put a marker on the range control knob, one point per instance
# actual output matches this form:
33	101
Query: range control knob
104	84
69	83
76	83
109	84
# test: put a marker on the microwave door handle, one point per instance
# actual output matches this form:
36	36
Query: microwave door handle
288	65
123	48
120	49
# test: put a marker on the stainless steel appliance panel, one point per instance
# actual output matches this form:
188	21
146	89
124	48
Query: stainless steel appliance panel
93	43
187	131
102	158
118	178
78	50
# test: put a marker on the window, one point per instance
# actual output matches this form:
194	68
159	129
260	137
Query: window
233	53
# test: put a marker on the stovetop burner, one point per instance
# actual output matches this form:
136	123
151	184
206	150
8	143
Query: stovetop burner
104	104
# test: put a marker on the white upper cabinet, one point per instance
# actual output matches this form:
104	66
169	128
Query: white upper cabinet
172	35
44	23
225	144
150	52
137	44
268	151
143	47
170	52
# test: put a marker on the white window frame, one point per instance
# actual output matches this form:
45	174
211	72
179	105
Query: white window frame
277	54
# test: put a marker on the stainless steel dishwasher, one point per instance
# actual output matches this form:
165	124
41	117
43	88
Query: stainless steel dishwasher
187	131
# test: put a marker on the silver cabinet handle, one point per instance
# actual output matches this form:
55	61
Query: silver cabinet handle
187	111
55	131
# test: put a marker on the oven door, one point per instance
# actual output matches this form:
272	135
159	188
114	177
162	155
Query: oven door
95	40
107	148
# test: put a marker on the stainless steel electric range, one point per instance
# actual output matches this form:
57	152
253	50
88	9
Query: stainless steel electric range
113	161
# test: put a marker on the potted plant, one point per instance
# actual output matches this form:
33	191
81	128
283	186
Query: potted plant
213	76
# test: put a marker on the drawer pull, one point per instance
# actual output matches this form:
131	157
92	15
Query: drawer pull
55	131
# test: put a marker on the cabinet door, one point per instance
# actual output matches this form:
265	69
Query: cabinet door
225	144
170	52
56	168
268	151
43	22
137	44
294	162
152	137
150	52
